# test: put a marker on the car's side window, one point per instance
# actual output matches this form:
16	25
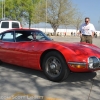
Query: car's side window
23	36
38	35
8	36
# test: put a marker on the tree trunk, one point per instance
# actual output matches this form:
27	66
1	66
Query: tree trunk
54	31
54	28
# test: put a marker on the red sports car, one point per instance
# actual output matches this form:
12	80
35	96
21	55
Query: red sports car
33	49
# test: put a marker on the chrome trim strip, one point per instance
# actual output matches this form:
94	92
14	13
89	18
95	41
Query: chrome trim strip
77	63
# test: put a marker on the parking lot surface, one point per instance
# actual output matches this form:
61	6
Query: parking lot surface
18	83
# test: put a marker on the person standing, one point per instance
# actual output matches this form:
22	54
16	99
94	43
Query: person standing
86	31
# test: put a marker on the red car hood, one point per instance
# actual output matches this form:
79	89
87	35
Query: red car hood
82	48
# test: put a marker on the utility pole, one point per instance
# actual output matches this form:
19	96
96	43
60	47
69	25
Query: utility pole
99	26
3	9
46	16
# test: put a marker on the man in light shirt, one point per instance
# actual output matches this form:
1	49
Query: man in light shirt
87	31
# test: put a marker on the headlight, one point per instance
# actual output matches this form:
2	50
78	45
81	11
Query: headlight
93	62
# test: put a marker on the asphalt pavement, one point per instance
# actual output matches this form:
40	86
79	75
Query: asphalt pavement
18	83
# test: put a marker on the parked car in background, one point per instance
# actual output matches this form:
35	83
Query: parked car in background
9	24
33	49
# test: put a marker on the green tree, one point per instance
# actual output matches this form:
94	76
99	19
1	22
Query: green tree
20	10
29	11
13	9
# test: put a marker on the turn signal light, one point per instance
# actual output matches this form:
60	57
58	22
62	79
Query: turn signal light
77	66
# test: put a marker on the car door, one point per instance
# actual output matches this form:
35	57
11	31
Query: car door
24	49
7	47
34	48
27	49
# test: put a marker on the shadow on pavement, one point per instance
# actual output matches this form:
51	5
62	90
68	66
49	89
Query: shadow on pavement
73	77
24	70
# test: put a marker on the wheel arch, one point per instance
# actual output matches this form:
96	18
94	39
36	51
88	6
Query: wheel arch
47	51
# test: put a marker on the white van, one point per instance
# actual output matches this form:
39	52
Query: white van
6	25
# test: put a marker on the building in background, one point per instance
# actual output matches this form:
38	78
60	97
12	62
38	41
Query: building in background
59	32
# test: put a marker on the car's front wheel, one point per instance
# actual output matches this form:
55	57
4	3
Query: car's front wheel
55	67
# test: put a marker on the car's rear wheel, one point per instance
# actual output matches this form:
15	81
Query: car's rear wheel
55	67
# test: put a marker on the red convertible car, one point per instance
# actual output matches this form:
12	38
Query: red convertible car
33	49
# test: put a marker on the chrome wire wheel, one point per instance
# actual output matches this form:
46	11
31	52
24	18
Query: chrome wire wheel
53	66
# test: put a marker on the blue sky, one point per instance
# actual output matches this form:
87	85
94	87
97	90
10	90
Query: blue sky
91	9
